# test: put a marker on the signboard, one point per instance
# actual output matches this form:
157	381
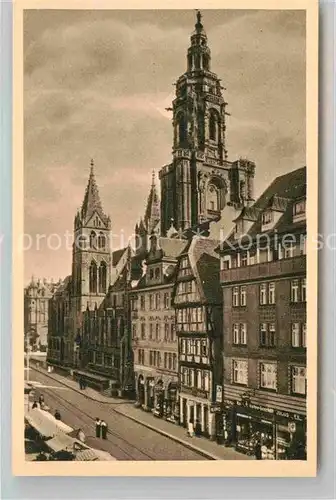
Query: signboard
219	394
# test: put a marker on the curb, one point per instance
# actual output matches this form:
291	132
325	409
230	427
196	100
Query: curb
81	392
171	436
192	447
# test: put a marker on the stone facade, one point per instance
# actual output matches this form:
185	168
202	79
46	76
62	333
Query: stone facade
153	329
36	311
200	181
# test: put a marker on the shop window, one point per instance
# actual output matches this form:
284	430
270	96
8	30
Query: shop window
268	376
298	380
239	372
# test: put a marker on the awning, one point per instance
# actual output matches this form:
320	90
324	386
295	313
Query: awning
45	424
86	456
92	455
64	442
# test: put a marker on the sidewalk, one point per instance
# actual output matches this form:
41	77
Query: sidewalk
205	447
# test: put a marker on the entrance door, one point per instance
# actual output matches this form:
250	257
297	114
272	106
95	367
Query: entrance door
192	413
184	412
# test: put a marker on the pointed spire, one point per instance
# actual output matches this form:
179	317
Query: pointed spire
152	214
91	202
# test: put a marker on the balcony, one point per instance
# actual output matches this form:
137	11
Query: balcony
278	268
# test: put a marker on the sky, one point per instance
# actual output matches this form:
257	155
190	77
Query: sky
96	85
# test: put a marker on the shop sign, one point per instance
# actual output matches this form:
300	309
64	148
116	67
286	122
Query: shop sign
291	427
285	414
219	394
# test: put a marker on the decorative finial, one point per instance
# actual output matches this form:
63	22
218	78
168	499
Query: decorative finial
153	177
91	166
199	17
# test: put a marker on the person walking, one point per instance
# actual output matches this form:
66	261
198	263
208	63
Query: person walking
191	432
41	400
98	427
104	429
35	405
57	415
81	436
257	451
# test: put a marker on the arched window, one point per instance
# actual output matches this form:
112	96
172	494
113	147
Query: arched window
93	277
182	129
101	241
102	277
213	198
213	126
93	238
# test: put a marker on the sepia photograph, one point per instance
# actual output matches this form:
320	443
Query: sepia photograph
166	293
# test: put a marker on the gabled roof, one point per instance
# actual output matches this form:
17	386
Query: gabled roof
91	203
205	265
279	196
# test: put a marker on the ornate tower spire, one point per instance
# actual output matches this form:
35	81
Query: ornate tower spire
199	52
152	214
91	202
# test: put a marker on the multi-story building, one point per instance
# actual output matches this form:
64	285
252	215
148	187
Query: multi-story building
106	345
198	309
91	260
263	278
153	329
36	312
59	339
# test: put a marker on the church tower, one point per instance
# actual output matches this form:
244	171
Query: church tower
197	185
150	223
91	261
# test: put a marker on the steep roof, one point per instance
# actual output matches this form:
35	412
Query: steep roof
91	203
152	213
279	196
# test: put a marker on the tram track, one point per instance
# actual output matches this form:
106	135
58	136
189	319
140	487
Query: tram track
79	413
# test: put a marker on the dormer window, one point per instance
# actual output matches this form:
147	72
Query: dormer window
267	218
299	210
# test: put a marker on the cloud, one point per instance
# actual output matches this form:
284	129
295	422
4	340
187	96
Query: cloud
97	84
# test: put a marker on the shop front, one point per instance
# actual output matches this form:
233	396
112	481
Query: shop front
171	410
281	434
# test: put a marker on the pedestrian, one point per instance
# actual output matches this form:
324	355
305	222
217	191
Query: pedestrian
191	429
198	429
104	429
257	451
35	405
41	400
57	415
98	427
81	436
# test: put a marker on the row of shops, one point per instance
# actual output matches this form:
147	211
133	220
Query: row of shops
234	423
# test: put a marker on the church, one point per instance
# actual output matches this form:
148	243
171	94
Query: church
101	331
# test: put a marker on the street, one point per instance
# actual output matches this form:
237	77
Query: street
126	440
